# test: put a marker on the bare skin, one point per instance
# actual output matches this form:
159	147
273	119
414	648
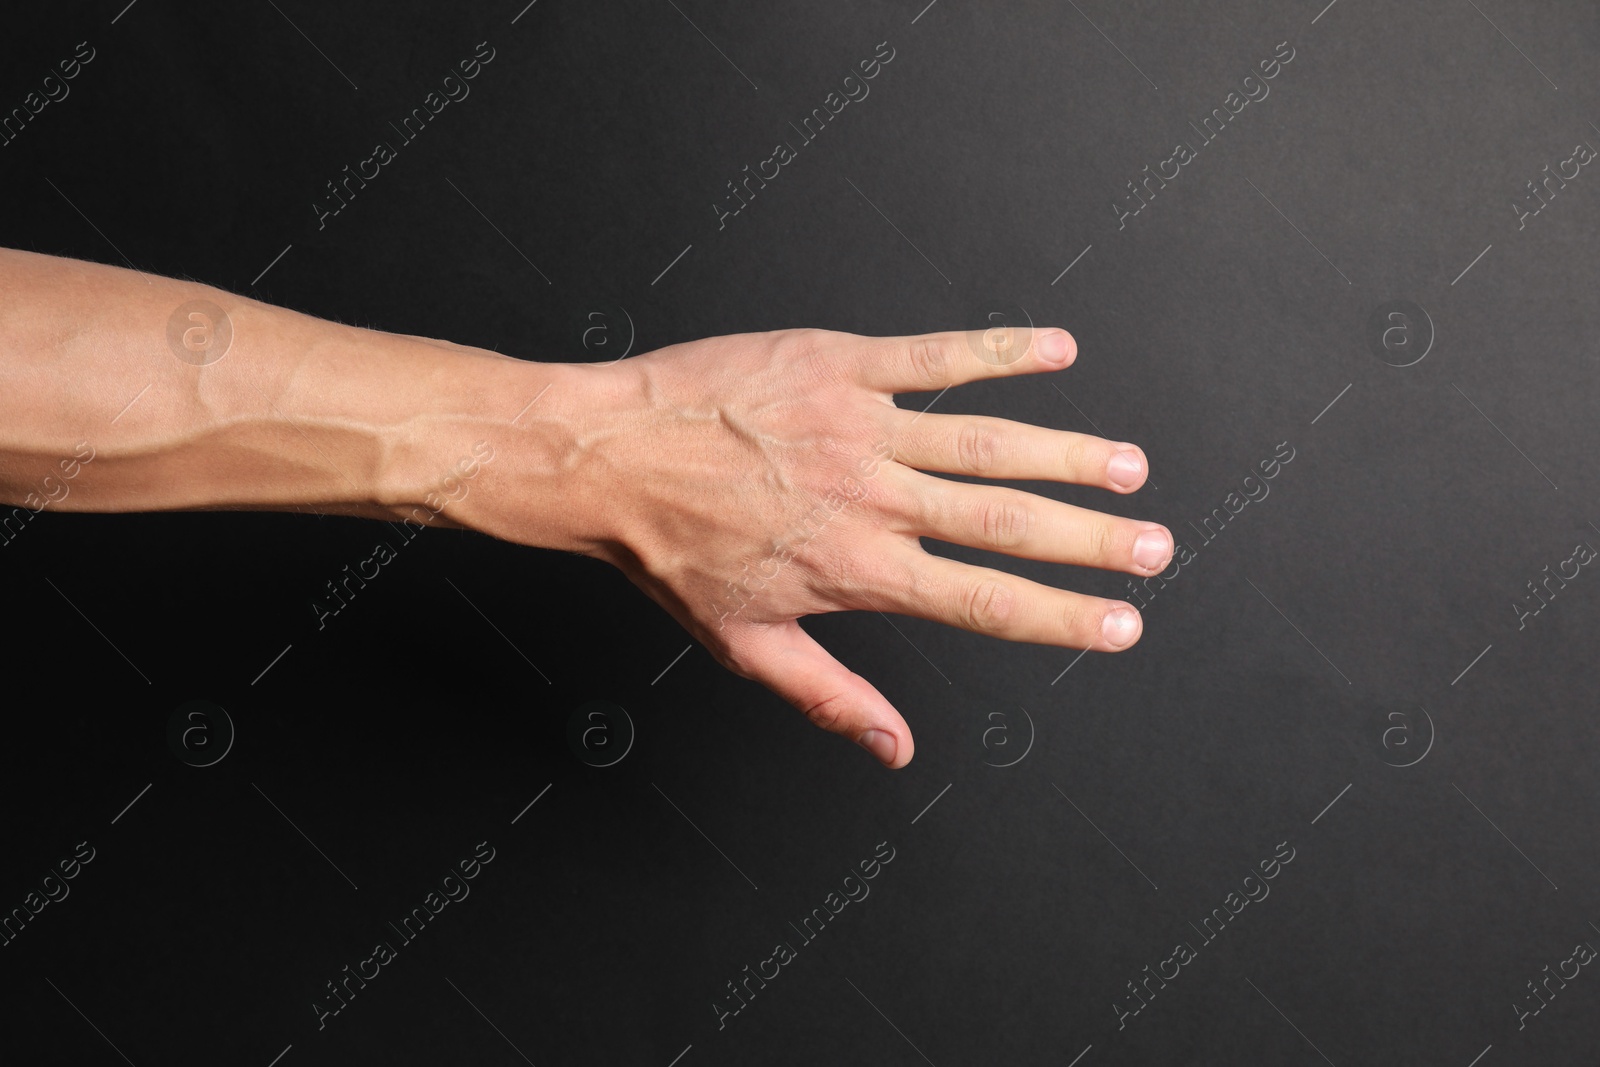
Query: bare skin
742	482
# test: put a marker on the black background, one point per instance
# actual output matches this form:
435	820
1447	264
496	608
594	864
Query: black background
1315	644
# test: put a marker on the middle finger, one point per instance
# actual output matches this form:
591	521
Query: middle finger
987	447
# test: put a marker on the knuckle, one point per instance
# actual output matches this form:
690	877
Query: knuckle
1108	542
827	713
1004	523
1080	621
930	362
987	606
809	350
735	659
854	494
1080	456
840	576
977	449
803	340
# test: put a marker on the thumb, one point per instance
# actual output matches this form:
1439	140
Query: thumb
789	661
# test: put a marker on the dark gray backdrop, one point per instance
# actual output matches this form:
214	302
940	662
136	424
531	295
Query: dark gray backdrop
1342	675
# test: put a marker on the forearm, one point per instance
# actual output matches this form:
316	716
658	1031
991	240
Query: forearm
297	414
742	482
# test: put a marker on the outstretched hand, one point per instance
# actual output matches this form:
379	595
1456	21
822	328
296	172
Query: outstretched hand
746	481
743	482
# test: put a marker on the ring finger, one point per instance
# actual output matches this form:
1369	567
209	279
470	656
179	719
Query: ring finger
1016	523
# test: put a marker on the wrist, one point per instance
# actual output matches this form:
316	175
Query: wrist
436	415
552	482
440	416
504	446
437	434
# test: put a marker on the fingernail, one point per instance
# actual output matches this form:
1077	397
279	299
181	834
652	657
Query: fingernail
1054	346
1119	626
1152	549
1124	469
881	744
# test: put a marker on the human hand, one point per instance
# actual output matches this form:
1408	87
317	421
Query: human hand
746	481
742	482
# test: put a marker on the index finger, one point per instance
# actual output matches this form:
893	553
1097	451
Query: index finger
933	361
